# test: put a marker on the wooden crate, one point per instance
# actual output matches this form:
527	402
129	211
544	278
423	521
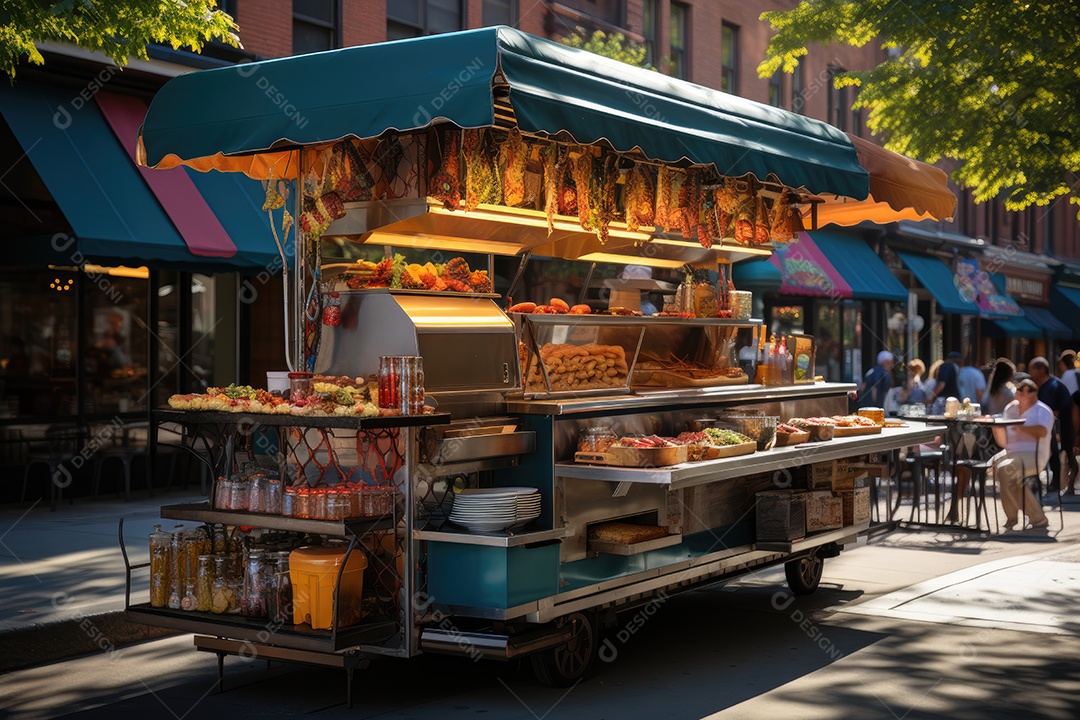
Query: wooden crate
824	511
781	515
848	474
856	505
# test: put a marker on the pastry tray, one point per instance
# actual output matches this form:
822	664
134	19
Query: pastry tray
854	431
635	457
616	548
789	439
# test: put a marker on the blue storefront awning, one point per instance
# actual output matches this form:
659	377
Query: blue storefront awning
237	201
759	275
940	280
860	267
1011	327
1065	301
1044	319
114	216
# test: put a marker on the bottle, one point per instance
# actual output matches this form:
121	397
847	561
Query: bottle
784	360
219	596
282	609
160	542
760	370
204	584
177	567
189	601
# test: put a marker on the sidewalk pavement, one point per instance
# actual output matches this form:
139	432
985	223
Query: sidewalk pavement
59	568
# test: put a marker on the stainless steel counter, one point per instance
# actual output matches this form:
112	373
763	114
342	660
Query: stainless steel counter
668	399
699	473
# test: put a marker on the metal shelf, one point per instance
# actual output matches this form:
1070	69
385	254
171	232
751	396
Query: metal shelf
262	630
815	540
210	417
202	512
492	539
698	473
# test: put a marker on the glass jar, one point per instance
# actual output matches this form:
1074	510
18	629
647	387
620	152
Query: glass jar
240	494
254	594
288	502
282	607
204	583
319	508
177	566
221	597
160	542
596	440
301	386
332	312
302	506
273	496
189	601
257	492
222	494
338	504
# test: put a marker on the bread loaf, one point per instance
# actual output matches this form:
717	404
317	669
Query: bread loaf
625	533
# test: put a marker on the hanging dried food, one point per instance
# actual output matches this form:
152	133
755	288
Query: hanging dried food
638	197
707	231
482	184
349	176
391	153
745	218
587	197
318	214
552	173
675	192
761	224
608	207
784	223
727	196
663	198
274	198
690	203
567	193
446	184
513	156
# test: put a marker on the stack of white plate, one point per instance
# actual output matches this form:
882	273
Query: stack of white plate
494	509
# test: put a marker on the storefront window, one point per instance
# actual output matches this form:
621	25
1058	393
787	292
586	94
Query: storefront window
168	336
852	332
114	343
38	332
204	325
830	351
787	319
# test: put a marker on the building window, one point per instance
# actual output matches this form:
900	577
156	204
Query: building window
729	59
648	30
677	54
775	88
856	122
499	12
839	107
413	18
315	26
797	99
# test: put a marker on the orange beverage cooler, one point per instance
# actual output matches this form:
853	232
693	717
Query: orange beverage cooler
314	575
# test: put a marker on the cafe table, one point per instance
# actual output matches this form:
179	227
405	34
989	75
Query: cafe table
974	454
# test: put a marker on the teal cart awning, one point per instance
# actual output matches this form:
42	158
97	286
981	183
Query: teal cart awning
1042	318
860	267
759	275
114	217
220	118
1013	327
939	279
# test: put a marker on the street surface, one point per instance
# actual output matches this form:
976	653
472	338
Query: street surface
912	625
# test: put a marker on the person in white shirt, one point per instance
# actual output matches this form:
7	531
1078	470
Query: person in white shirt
1066	367
1027	450
971	381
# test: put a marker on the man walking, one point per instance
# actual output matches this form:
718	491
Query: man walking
970	382
1055	395
877	382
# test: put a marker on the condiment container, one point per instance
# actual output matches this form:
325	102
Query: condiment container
596	439
160	542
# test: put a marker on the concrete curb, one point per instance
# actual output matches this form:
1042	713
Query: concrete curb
45	643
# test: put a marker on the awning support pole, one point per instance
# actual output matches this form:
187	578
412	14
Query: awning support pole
518	275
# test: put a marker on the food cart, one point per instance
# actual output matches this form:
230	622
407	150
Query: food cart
574	461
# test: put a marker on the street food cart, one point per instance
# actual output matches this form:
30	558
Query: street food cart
572	461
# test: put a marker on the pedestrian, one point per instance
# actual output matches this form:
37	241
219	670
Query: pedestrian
1056	396
877	382
946	386
1066	370
970	381
912	390
1026	449
1000	392
930	383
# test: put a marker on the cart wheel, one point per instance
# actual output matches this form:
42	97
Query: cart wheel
565	664
804	574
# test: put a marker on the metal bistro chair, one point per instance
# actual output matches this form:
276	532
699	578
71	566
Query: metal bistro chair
120	448
61	444
979	464
1034	481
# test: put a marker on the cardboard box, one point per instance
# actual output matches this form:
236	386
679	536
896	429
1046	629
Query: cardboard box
856	504
824	511
781	515
840	475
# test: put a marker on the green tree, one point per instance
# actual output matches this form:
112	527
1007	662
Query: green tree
118	29
995	85
614	46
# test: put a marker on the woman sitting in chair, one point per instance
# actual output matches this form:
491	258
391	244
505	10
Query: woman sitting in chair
1027	450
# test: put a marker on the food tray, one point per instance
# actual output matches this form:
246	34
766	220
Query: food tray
789	439
853	431
715	452
666	378
616	548
635	457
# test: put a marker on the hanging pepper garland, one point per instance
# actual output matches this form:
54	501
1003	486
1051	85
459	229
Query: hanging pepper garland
445	185
513	156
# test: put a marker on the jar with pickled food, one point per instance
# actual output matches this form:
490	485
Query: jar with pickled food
253	602
196	543
222	493
302	504
273	497
189	601
257	491
319	508
596	440
204	583
221	596
338	505
240	494
160	542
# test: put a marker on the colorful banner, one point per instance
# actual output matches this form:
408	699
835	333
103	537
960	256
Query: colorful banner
805	270
976	285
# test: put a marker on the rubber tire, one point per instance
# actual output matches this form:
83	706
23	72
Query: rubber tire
566	664
804	574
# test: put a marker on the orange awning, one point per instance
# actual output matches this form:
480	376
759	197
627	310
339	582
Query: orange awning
900	189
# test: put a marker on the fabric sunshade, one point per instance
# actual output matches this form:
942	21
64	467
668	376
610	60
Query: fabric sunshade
756	275
252	117
900	189
940	280
1042	317
1065	301
1014	327
833	265
114	216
